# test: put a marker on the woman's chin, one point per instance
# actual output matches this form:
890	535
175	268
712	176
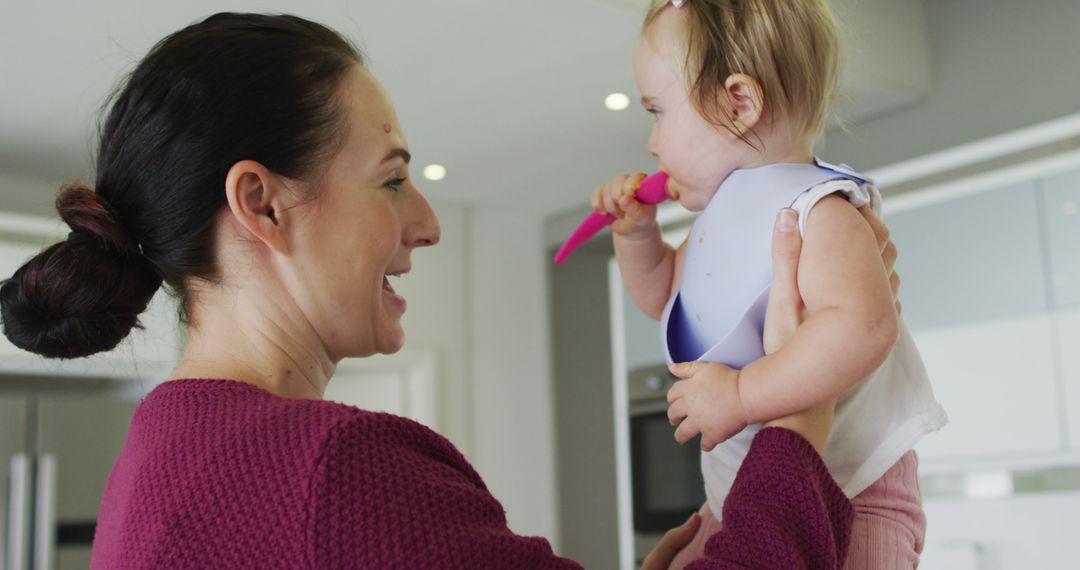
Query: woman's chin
392	341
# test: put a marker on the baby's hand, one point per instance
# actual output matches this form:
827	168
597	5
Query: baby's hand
632	218
705	401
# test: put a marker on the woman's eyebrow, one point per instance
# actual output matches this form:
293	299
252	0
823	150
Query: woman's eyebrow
397	152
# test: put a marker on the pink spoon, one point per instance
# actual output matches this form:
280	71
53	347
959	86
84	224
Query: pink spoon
653	190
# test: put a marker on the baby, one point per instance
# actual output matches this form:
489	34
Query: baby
739	90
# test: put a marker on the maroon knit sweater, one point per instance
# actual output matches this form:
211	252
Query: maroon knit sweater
221	474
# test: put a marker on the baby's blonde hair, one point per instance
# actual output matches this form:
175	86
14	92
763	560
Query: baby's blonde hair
788	46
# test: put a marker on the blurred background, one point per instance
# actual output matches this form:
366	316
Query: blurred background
967	112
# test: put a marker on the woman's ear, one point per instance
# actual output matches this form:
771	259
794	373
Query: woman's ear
746	102
256	197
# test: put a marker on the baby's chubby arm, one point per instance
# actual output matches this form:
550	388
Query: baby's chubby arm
649	267
851	325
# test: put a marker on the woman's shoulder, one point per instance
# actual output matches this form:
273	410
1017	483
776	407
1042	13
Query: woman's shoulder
319	426
373	441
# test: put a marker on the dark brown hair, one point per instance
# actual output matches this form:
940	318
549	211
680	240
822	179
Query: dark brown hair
229	88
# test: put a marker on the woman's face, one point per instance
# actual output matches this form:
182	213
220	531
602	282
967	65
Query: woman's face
360	229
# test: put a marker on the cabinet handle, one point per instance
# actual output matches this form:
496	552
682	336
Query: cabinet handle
45	513
18	524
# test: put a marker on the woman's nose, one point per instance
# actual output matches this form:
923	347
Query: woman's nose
423	229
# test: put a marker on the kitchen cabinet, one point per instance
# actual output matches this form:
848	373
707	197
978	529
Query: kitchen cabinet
57	452
970	259
1035	530
1068	328
998	383
1061	210
14	503
989	280
644	345
405	384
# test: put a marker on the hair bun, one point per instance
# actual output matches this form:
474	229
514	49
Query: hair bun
82	295
86	212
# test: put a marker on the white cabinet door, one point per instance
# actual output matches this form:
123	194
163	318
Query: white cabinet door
970	259
1061	204
644	345
405	384
1069	339
1037	530
997	382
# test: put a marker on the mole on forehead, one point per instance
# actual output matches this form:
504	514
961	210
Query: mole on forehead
387	127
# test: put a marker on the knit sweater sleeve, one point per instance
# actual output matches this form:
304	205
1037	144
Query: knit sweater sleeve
784	510
390	493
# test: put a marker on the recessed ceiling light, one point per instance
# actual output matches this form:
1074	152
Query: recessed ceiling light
617	101
434	172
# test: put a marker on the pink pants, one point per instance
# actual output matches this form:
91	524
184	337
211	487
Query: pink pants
889	523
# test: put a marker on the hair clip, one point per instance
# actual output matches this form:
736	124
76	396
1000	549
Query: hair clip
678	3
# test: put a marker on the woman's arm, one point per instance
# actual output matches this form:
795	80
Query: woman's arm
784	510
390	493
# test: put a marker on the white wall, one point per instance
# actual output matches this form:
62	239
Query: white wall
439	318
514	416
584	404
998	65
479	298
27	195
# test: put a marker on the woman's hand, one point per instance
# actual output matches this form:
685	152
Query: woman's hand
673	541
786	311
888	250
784	314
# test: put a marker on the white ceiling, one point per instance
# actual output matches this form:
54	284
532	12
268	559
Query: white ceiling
508	94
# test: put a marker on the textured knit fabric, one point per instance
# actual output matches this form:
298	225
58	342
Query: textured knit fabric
784	511
220	474
888	531
890	525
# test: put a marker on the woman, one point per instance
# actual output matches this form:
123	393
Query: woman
253	165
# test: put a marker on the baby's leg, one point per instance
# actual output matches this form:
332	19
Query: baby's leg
889	521
696	548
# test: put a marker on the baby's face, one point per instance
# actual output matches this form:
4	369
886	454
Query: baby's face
696	154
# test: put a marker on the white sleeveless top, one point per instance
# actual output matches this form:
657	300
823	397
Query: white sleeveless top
718	315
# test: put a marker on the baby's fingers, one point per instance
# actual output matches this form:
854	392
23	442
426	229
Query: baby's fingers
631	184
596	201
676	412
611	205
708	441
686	431
677	390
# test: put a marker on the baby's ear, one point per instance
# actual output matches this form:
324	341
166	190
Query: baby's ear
745	101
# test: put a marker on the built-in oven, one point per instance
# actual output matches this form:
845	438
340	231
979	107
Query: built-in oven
665	477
